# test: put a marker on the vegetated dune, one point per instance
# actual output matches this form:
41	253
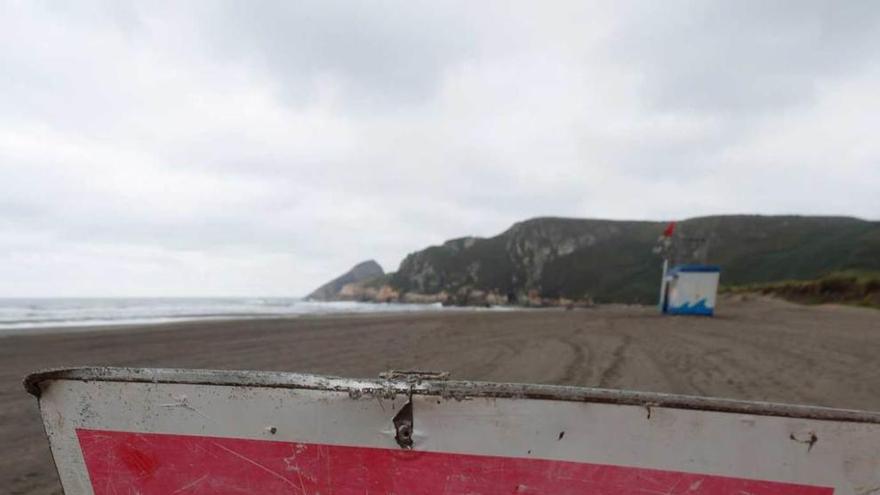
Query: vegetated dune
855	288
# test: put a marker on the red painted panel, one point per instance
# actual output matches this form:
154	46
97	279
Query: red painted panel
159	464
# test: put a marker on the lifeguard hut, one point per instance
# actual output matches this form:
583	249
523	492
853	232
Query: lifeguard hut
690	290
686	288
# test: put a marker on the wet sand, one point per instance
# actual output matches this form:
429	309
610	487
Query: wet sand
759	349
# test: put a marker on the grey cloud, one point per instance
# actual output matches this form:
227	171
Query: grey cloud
383	53
749	56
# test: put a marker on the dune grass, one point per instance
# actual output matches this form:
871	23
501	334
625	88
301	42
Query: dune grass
848	287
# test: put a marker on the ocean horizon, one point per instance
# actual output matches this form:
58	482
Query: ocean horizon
20	314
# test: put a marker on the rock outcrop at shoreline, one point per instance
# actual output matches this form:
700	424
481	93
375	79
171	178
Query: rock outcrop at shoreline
574	262
360	273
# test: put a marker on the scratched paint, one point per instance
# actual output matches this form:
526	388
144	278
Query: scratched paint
155	464
181	431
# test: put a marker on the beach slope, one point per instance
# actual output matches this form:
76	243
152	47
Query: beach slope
756	348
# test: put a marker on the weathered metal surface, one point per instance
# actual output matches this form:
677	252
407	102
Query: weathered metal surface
116	430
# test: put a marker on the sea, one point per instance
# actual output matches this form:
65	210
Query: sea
20	315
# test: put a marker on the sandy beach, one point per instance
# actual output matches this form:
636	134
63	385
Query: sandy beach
759	349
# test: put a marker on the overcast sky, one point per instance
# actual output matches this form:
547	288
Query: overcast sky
260	148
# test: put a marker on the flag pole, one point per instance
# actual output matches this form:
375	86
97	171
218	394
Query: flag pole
664	247
663	284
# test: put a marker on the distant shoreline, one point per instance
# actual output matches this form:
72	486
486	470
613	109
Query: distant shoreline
111	326
29	315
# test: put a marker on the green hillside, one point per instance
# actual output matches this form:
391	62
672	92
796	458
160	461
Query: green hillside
606	260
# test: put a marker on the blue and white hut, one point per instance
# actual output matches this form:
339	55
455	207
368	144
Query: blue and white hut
691	290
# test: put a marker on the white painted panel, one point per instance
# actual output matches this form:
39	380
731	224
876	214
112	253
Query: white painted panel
809	446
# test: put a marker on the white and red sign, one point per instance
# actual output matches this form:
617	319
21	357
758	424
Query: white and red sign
121	431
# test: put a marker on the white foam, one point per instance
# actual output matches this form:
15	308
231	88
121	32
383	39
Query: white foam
23	314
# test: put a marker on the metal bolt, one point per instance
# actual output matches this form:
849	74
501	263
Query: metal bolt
405	432
403	426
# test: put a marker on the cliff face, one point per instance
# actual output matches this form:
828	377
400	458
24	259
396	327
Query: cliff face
561	261
344	286
552	260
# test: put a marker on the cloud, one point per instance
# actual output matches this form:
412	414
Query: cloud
745	57
214	148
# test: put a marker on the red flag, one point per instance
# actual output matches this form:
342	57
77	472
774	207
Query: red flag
670	229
